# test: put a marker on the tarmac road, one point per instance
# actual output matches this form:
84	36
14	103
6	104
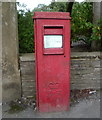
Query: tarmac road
86	108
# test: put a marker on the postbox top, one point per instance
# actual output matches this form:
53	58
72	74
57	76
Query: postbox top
51	15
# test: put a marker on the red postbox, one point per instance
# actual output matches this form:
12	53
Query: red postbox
52	48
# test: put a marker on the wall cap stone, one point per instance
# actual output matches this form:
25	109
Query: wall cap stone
74	55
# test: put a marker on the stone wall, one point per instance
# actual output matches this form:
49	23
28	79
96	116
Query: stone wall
11	85
85	72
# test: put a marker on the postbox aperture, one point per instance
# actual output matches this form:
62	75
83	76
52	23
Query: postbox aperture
53	39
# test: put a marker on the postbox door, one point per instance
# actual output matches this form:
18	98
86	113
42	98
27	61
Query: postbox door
52	41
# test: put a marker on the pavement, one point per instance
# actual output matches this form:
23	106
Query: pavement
84	108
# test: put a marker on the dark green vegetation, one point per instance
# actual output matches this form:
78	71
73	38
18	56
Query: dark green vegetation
82	27
25	31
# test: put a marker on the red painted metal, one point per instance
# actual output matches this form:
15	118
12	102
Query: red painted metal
52	64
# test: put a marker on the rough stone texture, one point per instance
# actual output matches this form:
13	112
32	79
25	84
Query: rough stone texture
85	72
97	16
28	78
11	85
101	9
96	11
0	61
